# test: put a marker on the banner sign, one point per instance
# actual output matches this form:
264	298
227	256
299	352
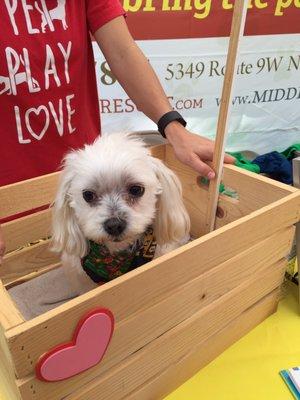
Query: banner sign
178	19
266	99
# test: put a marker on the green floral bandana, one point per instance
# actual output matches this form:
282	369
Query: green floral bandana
102	266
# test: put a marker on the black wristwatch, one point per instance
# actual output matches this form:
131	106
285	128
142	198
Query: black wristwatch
167	118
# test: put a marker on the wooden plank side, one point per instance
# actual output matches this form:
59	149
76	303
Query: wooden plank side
159	151
27	195
254	192
32	275
201	355
133	333
175	344
30	259
8	387
9	314
275	247
29	229
235	176
148	284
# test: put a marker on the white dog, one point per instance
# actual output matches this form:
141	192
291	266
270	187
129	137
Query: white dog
112	196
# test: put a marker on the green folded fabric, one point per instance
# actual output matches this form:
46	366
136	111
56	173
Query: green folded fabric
289	152
243	162
222	189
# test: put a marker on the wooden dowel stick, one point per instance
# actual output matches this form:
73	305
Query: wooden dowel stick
237	31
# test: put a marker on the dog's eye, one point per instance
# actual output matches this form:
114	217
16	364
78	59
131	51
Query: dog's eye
136	190
89	196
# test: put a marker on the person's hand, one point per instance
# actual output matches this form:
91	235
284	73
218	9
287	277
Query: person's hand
193	150
2	246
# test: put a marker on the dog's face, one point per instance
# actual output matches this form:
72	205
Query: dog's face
113	192
109	193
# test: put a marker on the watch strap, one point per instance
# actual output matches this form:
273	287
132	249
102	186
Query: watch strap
167	118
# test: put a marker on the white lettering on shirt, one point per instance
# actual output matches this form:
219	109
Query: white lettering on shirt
27	8
11	8
50	68
58	122
66	55
70	112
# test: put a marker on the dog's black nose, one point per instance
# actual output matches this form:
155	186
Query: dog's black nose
114	226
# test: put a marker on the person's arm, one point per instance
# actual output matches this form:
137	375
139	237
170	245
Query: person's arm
140	82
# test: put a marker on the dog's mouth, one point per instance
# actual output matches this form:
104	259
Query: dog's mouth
117	239
125	239
112	239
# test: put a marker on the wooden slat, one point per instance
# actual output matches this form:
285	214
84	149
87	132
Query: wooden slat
202	354
26	230
175	344
254	191
135	332
10	316
30	259
237	31
32	275
155	279
241	178
27	195
159	151
8	387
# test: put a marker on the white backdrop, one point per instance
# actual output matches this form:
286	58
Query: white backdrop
266	100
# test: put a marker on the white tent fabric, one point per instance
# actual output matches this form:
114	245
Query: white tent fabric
266	99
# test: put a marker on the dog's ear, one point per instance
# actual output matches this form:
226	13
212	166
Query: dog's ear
172	222
66	234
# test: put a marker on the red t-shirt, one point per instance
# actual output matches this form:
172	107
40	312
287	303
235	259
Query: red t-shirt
48	94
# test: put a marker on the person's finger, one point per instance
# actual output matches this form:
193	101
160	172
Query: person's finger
205	153
229	159
208	154
202	168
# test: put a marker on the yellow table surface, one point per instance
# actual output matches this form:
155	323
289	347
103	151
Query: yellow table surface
249	370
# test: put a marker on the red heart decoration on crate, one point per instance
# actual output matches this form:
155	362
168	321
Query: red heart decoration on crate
87	348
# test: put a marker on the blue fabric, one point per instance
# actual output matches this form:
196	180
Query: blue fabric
276	166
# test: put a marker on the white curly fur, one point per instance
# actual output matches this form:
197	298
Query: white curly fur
107	167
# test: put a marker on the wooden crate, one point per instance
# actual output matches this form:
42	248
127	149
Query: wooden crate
173	315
